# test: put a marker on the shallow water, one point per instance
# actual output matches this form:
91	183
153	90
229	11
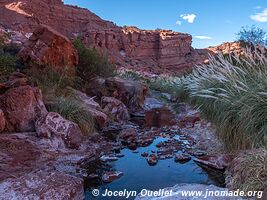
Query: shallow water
139	175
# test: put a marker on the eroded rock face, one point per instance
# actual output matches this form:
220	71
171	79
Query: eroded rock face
228	48
49	47
160	51
53	125
22	106
115	108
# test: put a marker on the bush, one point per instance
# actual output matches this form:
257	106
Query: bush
252	35
7	65
74	111
92	63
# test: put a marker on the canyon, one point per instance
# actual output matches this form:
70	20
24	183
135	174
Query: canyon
152	51
141	134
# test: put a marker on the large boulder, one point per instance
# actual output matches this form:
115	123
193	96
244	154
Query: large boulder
131	93
159	117
47	46
53	125
22	106
115	109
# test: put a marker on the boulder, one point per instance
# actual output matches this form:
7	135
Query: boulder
190	119
128	134
92	106
152	159
159	117
49	47
22	106
115	109
54	125
2	121
182	157
219	162
131	93
111	176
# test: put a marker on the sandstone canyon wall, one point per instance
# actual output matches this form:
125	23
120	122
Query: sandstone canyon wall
159	51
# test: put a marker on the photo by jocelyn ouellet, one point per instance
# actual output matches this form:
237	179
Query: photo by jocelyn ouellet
138	100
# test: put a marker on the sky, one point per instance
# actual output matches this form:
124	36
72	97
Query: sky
210	22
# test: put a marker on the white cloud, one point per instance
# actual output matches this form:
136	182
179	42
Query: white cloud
190	18
202	37
178	22
258	7
260	17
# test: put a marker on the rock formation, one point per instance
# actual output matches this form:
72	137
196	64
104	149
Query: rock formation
54	125
50	47
128	47
228	47
131	93
21	104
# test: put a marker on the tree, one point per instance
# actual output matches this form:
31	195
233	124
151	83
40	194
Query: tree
253	35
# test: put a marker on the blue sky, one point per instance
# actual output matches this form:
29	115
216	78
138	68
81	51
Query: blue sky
211	22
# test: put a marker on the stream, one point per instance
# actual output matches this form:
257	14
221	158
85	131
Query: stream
138	174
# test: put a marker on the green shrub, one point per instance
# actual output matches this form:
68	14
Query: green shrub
7	65
8	59
74	111
92	63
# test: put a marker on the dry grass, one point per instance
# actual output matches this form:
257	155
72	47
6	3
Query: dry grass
74	111
249	171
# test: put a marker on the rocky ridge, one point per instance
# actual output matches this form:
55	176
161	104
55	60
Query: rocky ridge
159	51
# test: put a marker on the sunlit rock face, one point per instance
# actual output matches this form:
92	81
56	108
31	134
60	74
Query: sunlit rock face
159	51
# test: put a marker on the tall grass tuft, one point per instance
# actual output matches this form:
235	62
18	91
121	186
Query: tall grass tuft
53	83
74	111
232	93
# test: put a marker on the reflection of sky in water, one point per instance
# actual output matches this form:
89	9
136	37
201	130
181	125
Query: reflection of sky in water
139	175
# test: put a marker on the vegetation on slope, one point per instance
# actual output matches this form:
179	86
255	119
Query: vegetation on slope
92	63
8	59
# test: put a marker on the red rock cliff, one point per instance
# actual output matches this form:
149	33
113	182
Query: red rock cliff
155	51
